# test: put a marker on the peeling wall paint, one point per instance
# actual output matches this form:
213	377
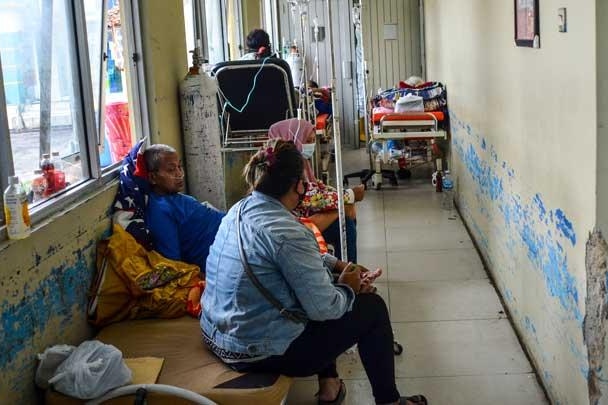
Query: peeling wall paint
44	281
543	233
507	224
596	325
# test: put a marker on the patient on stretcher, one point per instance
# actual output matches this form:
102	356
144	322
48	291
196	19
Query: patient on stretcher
181	227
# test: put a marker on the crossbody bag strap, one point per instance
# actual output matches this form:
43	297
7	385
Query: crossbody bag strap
294	316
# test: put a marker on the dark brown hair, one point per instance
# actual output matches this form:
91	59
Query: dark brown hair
274	169
258	38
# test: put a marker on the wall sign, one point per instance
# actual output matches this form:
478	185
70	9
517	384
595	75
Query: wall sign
527	26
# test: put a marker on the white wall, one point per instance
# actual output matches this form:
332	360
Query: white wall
391	60
523	148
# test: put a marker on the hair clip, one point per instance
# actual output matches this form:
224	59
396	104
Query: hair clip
270	157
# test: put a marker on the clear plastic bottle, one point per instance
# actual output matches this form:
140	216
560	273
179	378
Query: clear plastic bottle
38	186
56	160
447	199
16	212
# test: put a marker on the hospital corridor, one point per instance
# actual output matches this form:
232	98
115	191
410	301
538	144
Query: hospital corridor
291	202
459	347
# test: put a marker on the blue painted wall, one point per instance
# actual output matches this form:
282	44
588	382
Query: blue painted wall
44	281
526	242
523	152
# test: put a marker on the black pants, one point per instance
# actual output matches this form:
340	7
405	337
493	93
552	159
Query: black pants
332	236
316	349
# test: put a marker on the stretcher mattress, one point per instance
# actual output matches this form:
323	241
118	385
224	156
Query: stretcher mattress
411	116
188	364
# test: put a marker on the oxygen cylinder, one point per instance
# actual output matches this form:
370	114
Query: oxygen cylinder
202	136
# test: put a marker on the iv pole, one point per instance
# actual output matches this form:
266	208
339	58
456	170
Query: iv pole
315	23
357	11
337	136
335	115
304	78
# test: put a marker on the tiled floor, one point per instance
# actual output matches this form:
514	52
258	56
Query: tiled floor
459	348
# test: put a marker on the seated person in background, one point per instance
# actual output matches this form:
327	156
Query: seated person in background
320	202
182	228
322	97
249	333
258	45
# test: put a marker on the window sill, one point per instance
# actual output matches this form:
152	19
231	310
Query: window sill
45	212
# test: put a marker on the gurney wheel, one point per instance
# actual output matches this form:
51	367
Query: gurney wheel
397	348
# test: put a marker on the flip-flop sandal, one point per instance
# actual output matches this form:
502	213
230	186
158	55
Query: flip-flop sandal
339	398
416	399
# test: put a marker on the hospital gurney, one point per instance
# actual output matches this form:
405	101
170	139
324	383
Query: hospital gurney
416	130
405	126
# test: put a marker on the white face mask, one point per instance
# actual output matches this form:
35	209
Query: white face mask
308	149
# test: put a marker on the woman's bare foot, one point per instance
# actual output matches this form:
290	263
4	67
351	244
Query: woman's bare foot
329	388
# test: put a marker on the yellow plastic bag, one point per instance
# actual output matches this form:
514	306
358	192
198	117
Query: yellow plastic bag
133	283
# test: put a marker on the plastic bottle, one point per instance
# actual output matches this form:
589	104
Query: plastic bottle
48	171
447	202
16	212
439	182
59	173
38	186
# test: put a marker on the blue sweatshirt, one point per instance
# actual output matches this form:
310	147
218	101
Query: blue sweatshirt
182	228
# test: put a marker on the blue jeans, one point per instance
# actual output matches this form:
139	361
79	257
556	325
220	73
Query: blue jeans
332	237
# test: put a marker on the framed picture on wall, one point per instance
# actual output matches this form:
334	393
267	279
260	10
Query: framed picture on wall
527	26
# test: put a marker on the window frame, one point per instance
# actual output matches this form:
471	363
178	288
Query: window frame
89	135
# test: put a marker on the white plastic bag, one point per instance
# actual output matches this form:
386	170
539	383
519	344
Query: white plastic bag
92	369
48	361
409	102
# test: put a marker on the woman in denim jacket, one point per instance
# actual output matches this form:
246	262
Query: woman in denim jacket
320	320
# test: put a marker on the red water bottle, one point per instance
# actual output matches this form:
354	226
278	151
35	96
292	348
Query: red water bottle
439	183
48	171
59	174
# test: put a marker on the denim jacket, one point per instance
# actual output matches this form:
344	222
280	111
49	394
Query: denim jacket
284	256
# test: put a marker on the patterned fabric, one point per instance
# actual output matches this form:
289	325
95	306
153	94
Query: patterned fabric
132	197
319	197
158	277
318	235
226	355
432	93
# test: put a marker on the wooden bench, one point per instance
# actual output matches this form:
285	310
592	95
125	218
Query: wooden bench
188	364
